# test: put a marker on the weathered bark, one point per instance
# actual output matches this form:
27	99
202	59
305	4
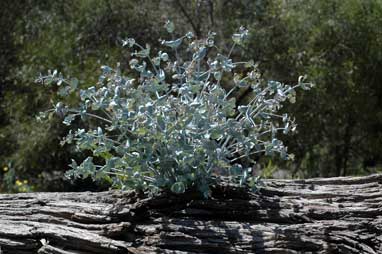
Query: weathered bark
334	215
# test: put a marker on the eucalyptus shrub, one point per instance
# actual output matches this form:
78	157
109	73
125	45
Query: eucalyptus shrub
170	124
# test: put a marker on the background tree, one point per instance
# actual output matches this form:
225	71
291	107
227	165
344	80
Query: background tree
336	43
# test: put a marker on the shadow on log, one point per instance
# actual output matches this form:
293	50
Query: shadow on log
333	215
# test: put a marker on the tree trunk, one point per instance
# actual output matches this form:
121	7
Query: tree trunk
333	215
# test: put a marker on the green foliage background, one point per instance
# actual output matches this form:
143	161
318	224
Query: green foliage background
338	44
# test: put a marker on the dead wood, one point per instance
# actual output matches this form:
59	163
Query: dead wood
333	215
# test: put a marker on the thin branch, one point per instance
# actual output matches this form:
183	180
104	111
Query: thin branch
189	19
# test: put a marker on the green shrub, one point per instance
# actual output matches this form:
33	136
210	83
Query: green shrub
170	124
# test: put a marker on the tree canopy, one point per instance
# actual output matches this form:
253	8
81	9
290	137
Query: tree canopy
335	43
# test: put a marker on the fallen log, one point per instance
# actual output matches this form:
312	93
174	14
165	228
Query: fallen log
333	215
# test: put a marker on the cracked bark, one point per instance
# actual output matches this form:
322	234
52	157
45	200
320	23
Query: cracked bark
332	215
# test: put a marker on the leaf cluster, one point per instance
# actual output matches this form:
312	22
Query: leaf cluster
170	124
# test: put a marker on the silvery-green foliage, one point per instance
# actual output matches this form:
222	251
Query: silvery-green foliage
172	125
